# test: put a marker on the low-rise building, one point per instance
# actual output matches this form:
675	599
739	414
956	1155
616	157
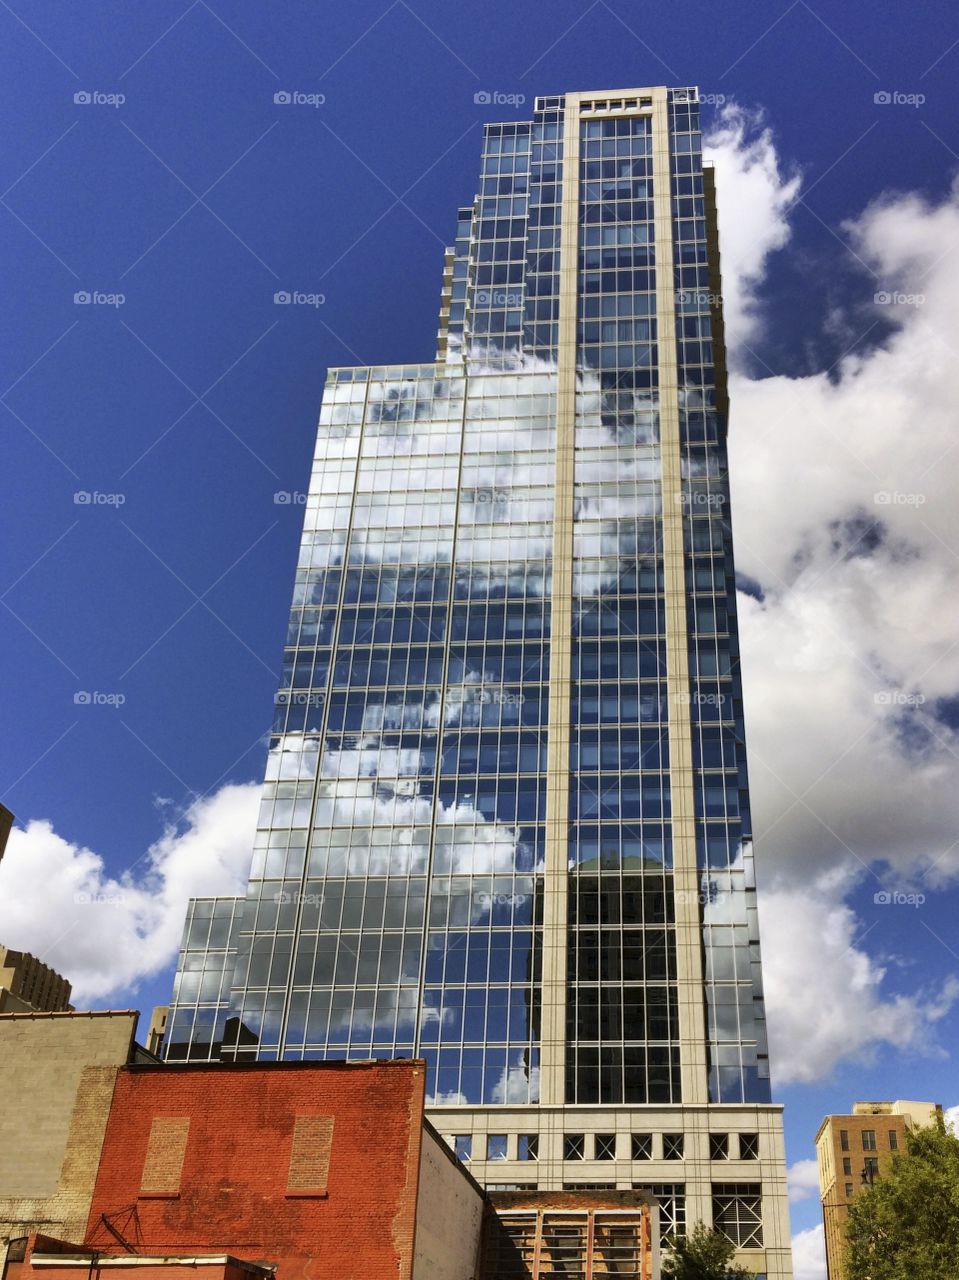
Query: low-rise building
264	1171
57	1072
321	1168
853	1151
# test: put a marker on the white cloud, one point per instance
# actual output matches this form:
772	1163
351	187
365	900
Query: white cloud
824	992
809	1254
753	195
844	516
106	933
951	1115
803	1179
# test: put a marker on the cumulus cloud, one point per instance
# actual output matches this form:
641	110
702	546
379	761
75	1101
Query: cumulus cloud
847	534
803	1180
809	1254
108	932
754	193
825	998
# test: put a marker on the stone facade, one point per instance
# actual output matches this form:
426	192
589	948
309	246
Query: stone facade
57	1073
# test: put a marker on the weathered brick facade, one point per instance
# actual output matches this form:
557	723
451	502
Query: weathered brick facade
312	1166
57	1072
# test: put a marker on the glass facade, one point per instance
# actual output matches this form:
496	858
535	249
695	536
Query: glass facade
505	824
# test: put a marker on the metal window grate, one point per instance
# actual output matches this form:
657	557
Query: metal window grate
575	1244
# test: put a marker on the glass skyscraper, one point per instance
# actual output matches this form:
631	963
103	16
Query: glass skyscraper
505	826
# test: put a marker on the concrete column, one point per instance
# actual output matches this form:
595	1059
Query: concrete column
689	947
553	1021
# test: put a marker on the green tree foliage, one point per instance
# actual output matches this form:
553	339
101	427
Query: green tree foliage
906	1226
702	1255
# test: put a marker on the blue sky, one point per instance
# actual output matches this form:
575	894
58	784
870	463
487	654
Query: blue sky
185	407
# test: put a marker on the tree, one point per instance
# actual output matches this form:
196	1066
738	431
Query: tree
702	1255
906	1225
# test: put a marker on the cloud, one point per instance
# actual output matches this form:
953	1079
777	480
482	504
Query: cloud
803	1179
809	1254
753	195
106	933
845	517
847	533
824	992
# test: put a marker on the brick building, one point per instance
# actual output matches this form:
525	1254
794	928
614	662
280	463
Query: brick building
853	1151
28	985
57	1072
279	1171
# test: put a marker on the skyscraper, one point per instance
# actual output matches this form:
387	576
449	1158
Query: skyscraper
505	825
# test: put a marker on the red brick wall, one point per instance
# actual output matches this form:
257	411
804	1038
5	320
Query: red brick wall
234	1182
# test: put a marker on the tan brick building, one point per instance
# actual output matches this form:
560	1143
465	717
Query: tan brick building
853	1150
28	985
57	1072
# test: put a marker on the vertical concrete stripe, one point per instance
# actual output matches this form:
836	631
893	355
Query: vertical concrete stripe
689	946
553	1020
